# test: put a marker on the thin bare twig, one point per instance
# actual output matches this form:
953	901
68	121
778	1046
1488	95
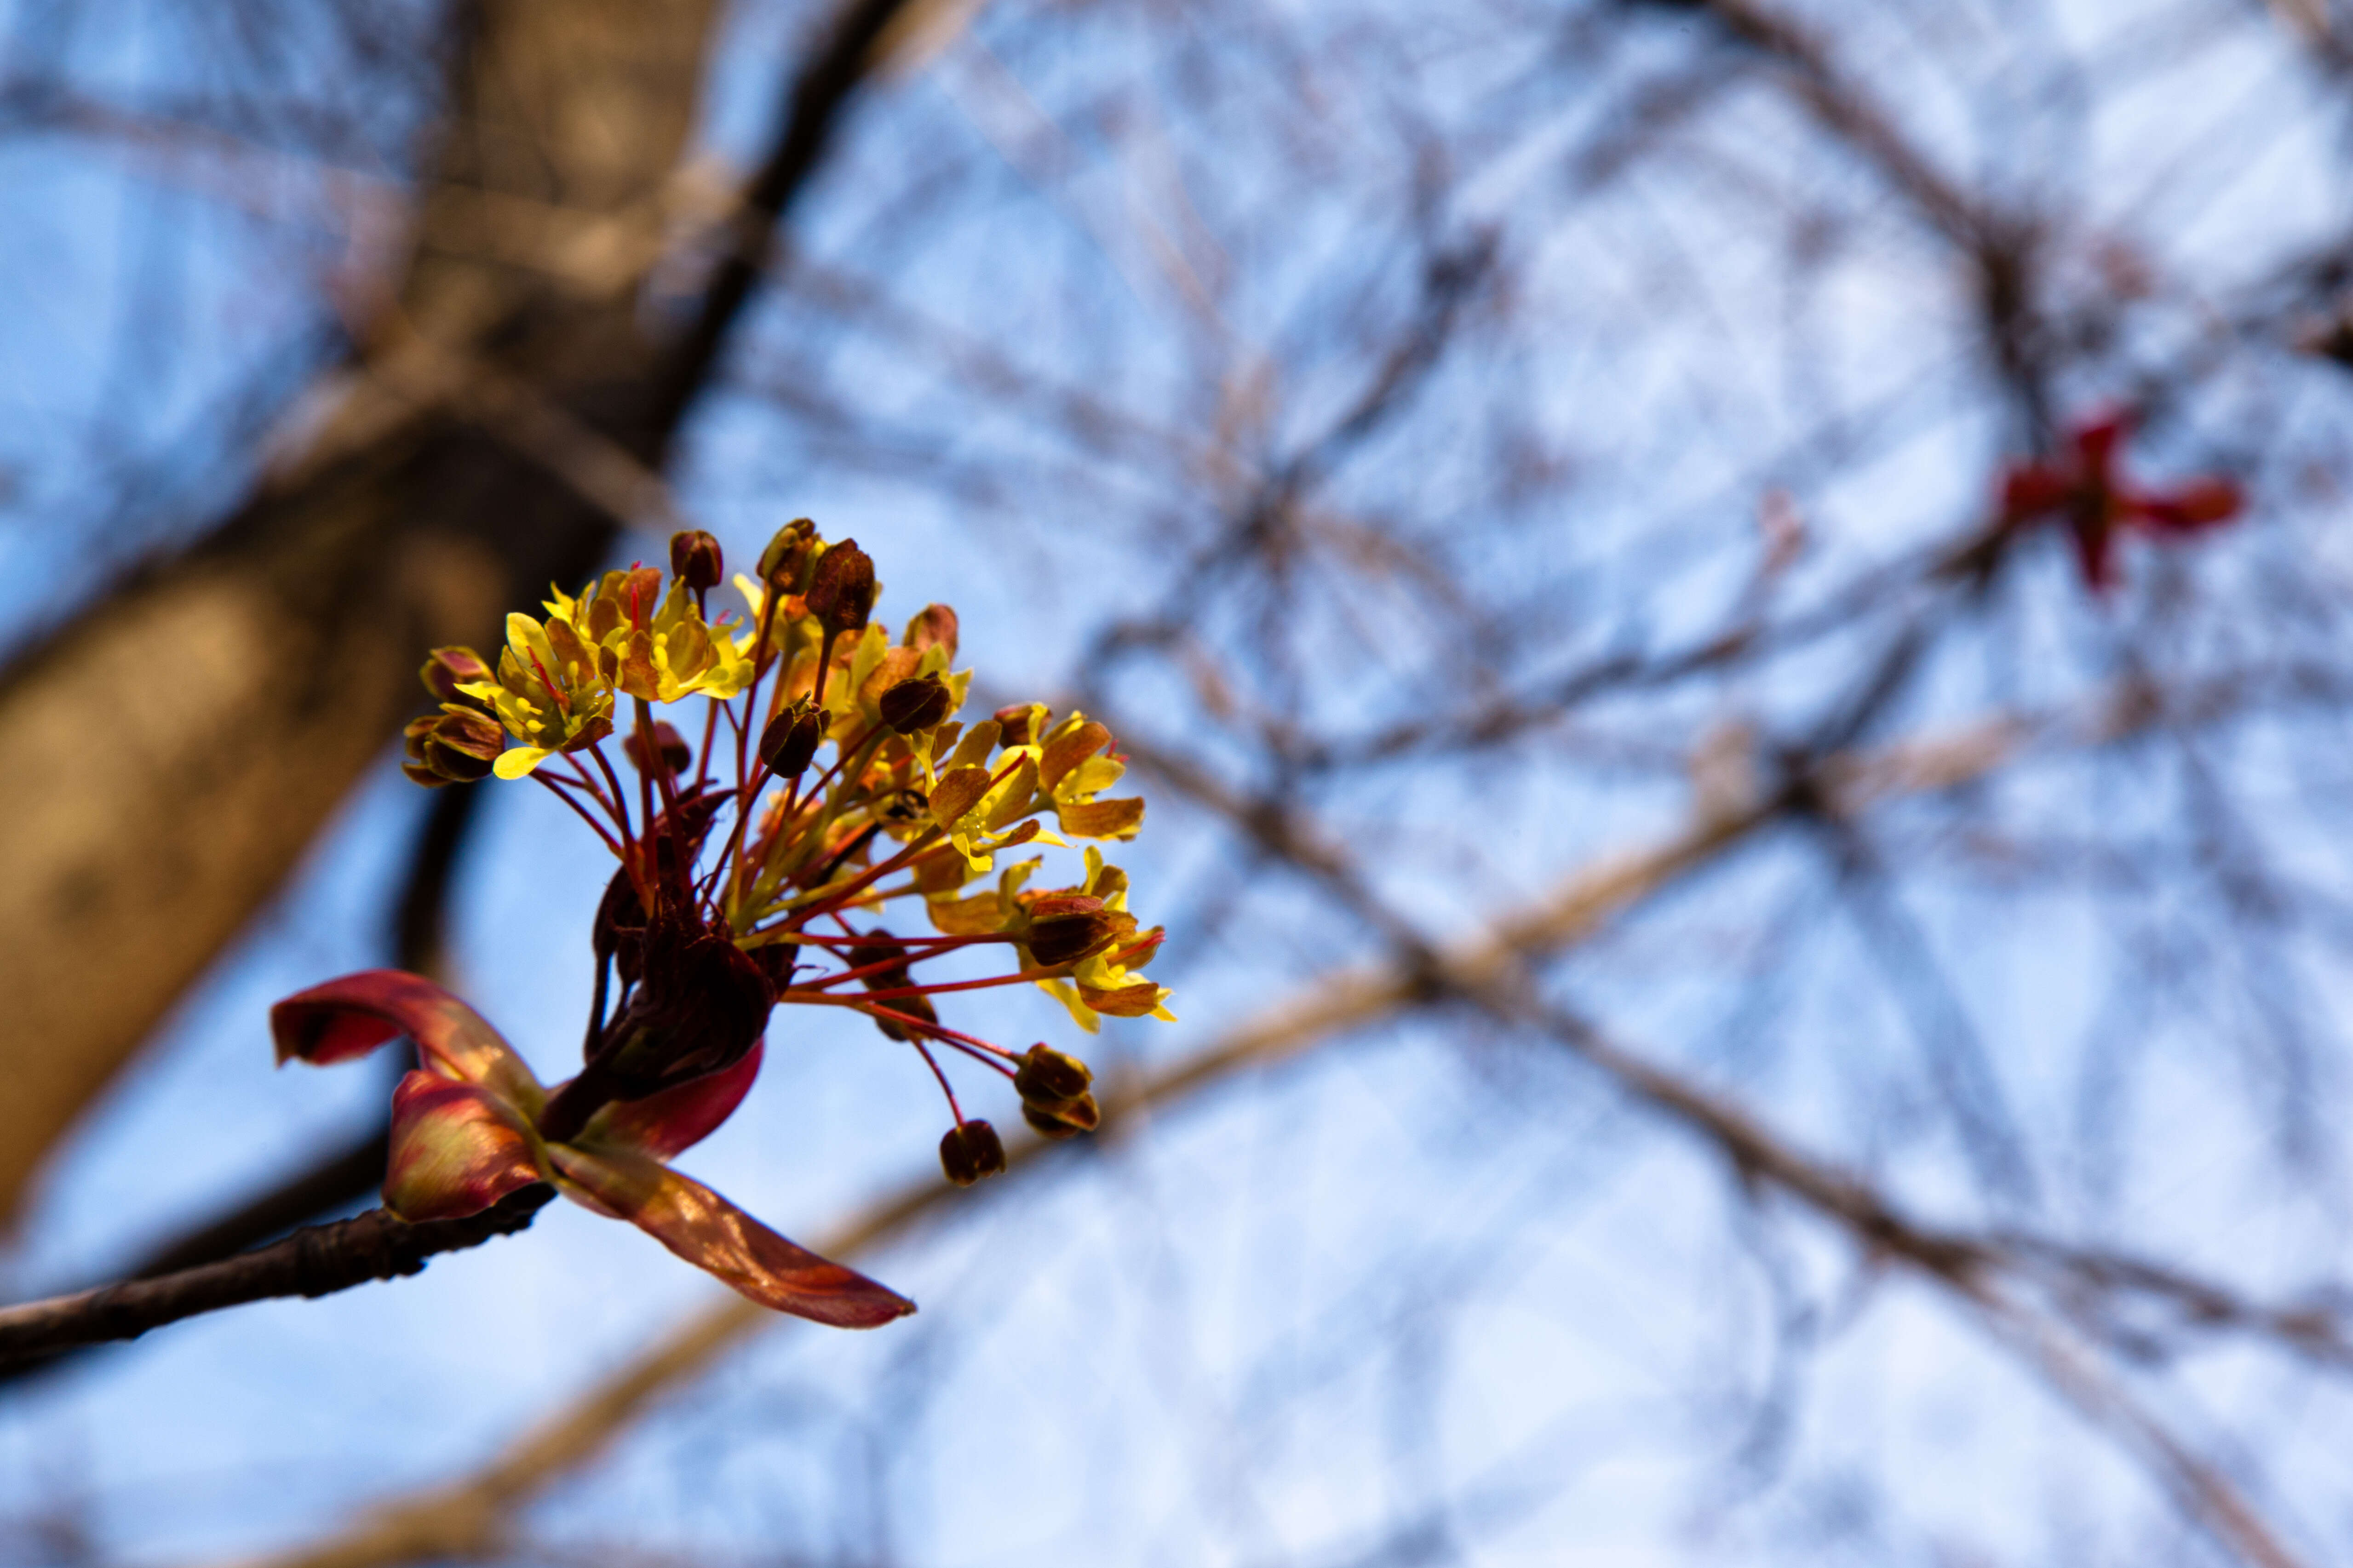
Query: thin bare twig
317	1260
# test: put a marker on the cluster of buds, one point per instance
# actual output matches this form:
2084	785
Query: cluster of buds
2084	490
831	782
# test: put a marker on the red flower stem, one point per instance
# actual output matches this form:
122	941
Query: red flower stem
825	818
867	877
750	772
943	987
652	768
594	826
710	732
824	667
655	767
632	861
620	796
761	654
645	780
748	766
842	754
930	1061
938	944
901	960
851	846
966	1043
579	779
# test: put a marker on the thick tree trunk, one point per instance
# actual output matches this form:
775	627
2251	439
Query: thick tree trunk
170	754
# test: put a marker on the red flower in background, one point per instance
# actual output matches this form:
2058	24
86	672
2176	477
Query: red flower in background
2084	490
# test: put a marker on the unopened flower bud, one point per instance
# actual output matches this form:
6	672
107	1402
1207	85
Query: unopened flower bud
879	951
791	741
970	1151
1063	930
448	669
1014	723
935	626
456	745
1049	1077
916	1007
695	560
785	563
913	706
1067	1119
668	742
841	594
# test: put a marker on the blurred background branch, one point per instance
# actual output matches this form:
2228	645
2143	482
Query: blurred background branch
1594	522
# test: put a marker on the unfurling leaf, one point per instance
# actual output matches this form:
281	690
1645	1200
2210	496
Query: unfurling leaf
353	1015
715	1236
455	1150
676	1119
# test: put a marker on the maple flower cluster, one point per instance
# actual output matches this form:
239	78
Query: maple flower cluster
2085	490
831	785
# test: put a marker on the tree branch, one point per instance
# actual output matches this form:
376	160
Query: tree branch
316	1260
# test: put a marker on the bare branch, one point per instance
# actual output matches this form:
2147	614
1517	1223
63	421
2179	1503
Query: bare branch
317	1260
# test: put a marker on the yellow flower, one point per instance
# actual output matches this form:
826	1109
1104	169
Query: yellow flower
651	645
1070	776
1111	980
548	693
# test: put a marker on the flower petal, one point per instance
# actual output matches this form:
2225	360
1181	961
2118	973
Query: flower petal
676	1119
1068	749
1119	818
1140	1000
455	1150
516	761
960	789
715	1236
352	1016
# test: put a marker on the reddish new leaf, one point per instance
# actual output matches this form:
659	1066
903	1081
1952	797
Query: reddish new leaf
715	1236
455	1150
352	1016
676	1119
